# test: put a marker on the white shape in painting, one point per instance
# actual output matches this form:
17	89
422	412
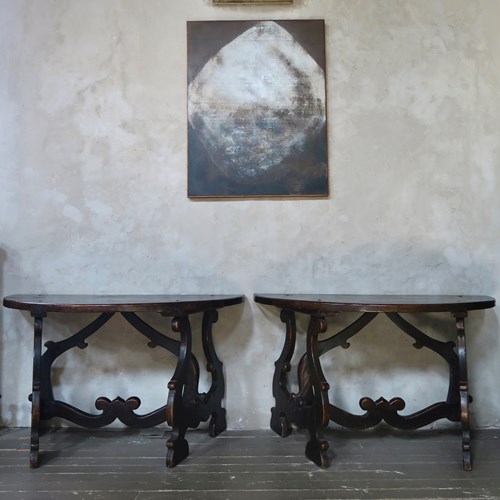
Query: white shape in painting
256	101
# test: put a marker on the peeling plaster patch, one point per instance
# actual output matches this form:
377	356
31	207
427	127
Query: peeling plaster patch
72	213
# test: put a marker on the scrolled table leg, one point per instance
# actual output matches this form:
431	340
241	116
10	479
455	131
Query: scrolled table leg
177	445
464	390
317	446
36	389
281	412
215	395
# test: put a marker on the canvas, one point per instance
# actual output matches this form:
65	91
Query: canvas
257	109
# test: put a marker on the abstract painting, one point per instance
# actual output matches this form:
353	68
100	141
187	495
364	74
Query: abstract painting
257	109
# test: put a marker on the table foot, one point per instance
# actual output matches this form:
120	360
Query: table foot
34	455
279	423
466	450
317	452
217	423
35	430
177	451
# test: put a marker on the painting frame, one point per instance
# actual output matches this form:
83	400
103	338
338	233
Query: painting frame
252	2
269	145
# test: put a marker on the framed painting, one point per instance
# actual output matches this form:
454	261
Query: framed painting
257	121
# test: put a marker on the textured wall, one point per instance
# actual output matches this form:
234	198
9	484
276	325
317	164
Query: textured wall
93	199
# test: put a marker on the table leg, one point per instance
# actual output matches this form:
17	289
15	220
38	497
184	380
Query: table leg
213	399
36	389
464	390
317	446
177	445
281	412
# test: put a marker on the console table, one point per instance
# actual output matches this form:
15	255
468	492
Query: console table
310	407
185	406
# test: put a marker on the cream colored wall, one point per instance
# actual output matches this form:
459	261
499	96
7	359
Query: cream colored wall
93	197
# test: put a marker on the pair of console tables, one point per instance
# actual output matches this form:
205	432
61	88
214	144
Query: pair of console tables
309	408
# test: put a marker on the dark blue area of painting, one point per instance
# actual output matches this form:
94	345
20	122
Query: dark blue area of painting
303	173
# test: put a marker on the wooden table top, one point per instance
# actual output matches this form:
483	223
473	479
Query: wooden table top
169	305
318	303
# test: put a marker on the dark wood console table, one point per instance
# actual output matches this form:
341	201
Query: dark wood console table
310	407
185	406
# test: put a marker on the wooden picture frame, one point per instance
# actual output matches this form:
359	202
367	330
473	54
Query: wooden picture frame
249	2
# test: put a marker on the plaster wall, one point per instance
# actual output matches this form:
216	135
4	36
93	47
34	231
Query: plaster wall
93	195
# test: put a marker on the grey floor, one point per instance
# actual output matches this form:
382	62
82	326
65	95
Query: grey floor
256	465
